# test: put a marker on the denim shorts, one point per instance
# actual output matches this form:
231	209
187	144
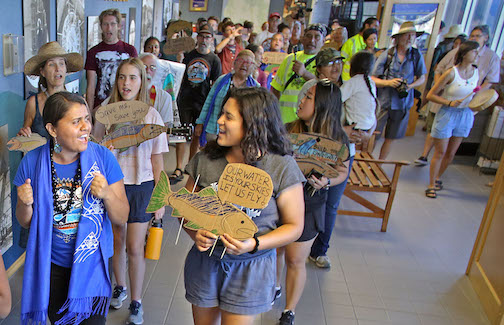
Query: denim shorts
244	287
138	198
452	122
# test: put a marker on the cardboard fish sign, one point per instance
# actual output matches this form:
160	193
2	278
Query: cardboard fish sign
273	57
238	184
319	151
25	144
132	135
121	112
178	26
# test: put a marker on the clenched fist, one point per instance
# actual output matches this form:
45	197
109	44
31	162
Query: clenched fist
25	192
99	186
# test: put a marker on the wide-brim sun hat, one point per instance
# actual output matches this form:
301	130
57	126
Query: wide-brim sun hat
455	30
406	27
74	61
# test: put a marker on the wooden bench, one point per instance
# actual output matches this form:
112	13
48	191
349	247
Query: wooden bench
367	175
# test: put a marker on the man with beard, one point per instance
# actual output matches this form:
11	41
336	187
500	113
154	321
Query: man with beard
103	59
159	98
295	70
202	68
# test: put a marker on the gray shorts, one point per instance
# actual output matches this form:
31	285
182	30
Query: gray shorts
396	122
244	287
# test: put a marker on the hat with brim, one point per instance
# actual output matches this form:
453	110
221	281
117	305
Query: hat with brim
455	30
206	29
407	27
327	55
74	61
274	14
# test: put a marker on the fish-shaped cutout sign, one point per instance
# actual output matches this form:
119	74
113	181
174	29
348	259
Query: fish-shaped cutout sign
202	211
241	184
132	135
25	144
320	151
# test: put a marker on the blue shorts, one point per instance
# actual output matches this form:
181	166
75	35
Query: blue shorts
452	122
244	287
138	198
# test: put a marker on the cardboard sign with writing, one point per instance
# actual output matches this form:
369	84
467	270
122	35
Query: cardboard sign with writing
25	144
122	112
273	57
173	46
320	150
245	185
202	210
180	25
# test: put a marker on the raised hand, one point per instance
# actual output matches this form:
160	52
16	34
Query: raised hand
99	186
25	192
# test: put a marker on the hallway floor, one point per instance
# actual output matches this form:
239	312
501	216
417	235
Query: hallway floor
412	274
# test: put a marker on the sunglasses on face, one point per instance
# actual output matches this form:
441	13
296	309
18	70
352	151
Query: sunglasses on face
152	67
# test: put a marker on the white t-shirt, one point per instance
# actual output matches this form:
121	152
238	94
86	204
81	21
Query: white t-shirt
262	36
359	105
163	104
136	162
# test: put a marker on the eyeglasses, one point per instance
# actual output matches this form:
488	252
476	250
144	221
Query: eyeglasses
152	67
242	61
334	62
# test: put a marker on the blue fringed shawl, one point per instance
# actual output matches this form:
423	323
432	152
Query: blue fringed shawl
90	288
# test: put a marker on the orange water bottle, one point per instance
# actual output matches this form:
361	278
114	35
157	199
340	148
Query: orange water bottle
153	247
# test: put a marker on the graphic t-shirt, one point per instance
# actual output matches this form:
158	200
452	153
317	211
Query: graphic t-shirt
284	173
65	226
201	69
104	59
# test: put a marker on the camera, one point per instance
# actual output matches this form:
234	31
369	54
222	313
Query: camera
301	8
402	89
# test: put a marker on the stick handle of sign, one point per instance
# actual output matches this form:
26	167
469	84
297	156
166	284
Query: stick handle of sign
223	252
213	247
182	221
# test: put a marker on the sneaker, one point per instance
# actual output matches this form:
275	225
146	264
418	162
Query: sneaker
136	313
287	318
118	297
421	161
278	294
321	261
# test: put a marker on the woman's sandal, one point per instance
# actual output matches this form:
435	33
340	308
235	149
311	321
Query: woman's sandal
431	193
175	178
438	185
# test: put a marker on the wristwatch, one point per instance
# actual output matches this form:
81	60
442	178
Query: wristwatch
256	247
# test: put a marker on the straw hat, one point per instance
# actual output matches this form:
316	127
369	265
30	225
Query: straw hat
50	50
406	27
455	30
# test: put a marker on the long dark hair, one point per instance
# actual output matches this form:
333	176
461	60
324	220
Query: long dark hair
362	63
327	114
463	49
264	130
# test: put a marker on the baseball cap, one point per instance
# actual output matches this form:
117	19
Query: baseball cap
274	14
206	28
327	55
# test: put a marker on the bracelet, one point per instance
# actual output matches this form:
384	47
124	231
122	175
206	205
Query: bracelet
256	247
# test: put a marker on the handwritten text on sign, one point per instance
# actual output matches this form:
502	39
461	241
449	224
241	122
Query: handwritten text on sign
173	46
245	185
122	112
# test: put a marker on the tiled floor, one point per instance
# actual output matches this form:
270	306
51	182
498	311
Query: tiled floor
412	274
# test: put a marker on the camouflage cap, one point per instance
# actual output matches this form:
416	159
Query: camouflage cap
327	55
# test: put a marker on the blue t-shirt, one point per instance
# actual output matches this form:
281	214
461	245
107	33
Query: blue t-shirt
65	227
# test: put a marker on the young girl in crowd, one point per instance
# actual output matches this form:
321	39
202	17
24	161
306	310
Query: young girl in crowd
233	289
69	193
319	112
358	95
454	120
141	166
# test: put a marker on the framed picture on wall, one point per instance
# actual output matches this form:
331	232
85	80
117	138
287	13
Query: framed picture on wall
94	32
198	5
70	25
132	26
147	20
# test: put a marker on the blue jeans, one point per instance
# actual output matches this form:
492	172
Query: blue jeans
321	243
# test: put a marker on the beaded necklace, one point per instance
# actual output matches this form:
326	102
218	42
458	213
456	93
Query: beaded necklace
58	206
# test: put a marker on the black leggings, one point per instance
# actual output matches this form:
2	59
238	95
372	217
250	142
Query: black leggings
60	281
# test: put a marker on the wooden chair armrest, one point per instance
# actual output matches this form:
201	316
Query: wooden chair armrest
379	161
